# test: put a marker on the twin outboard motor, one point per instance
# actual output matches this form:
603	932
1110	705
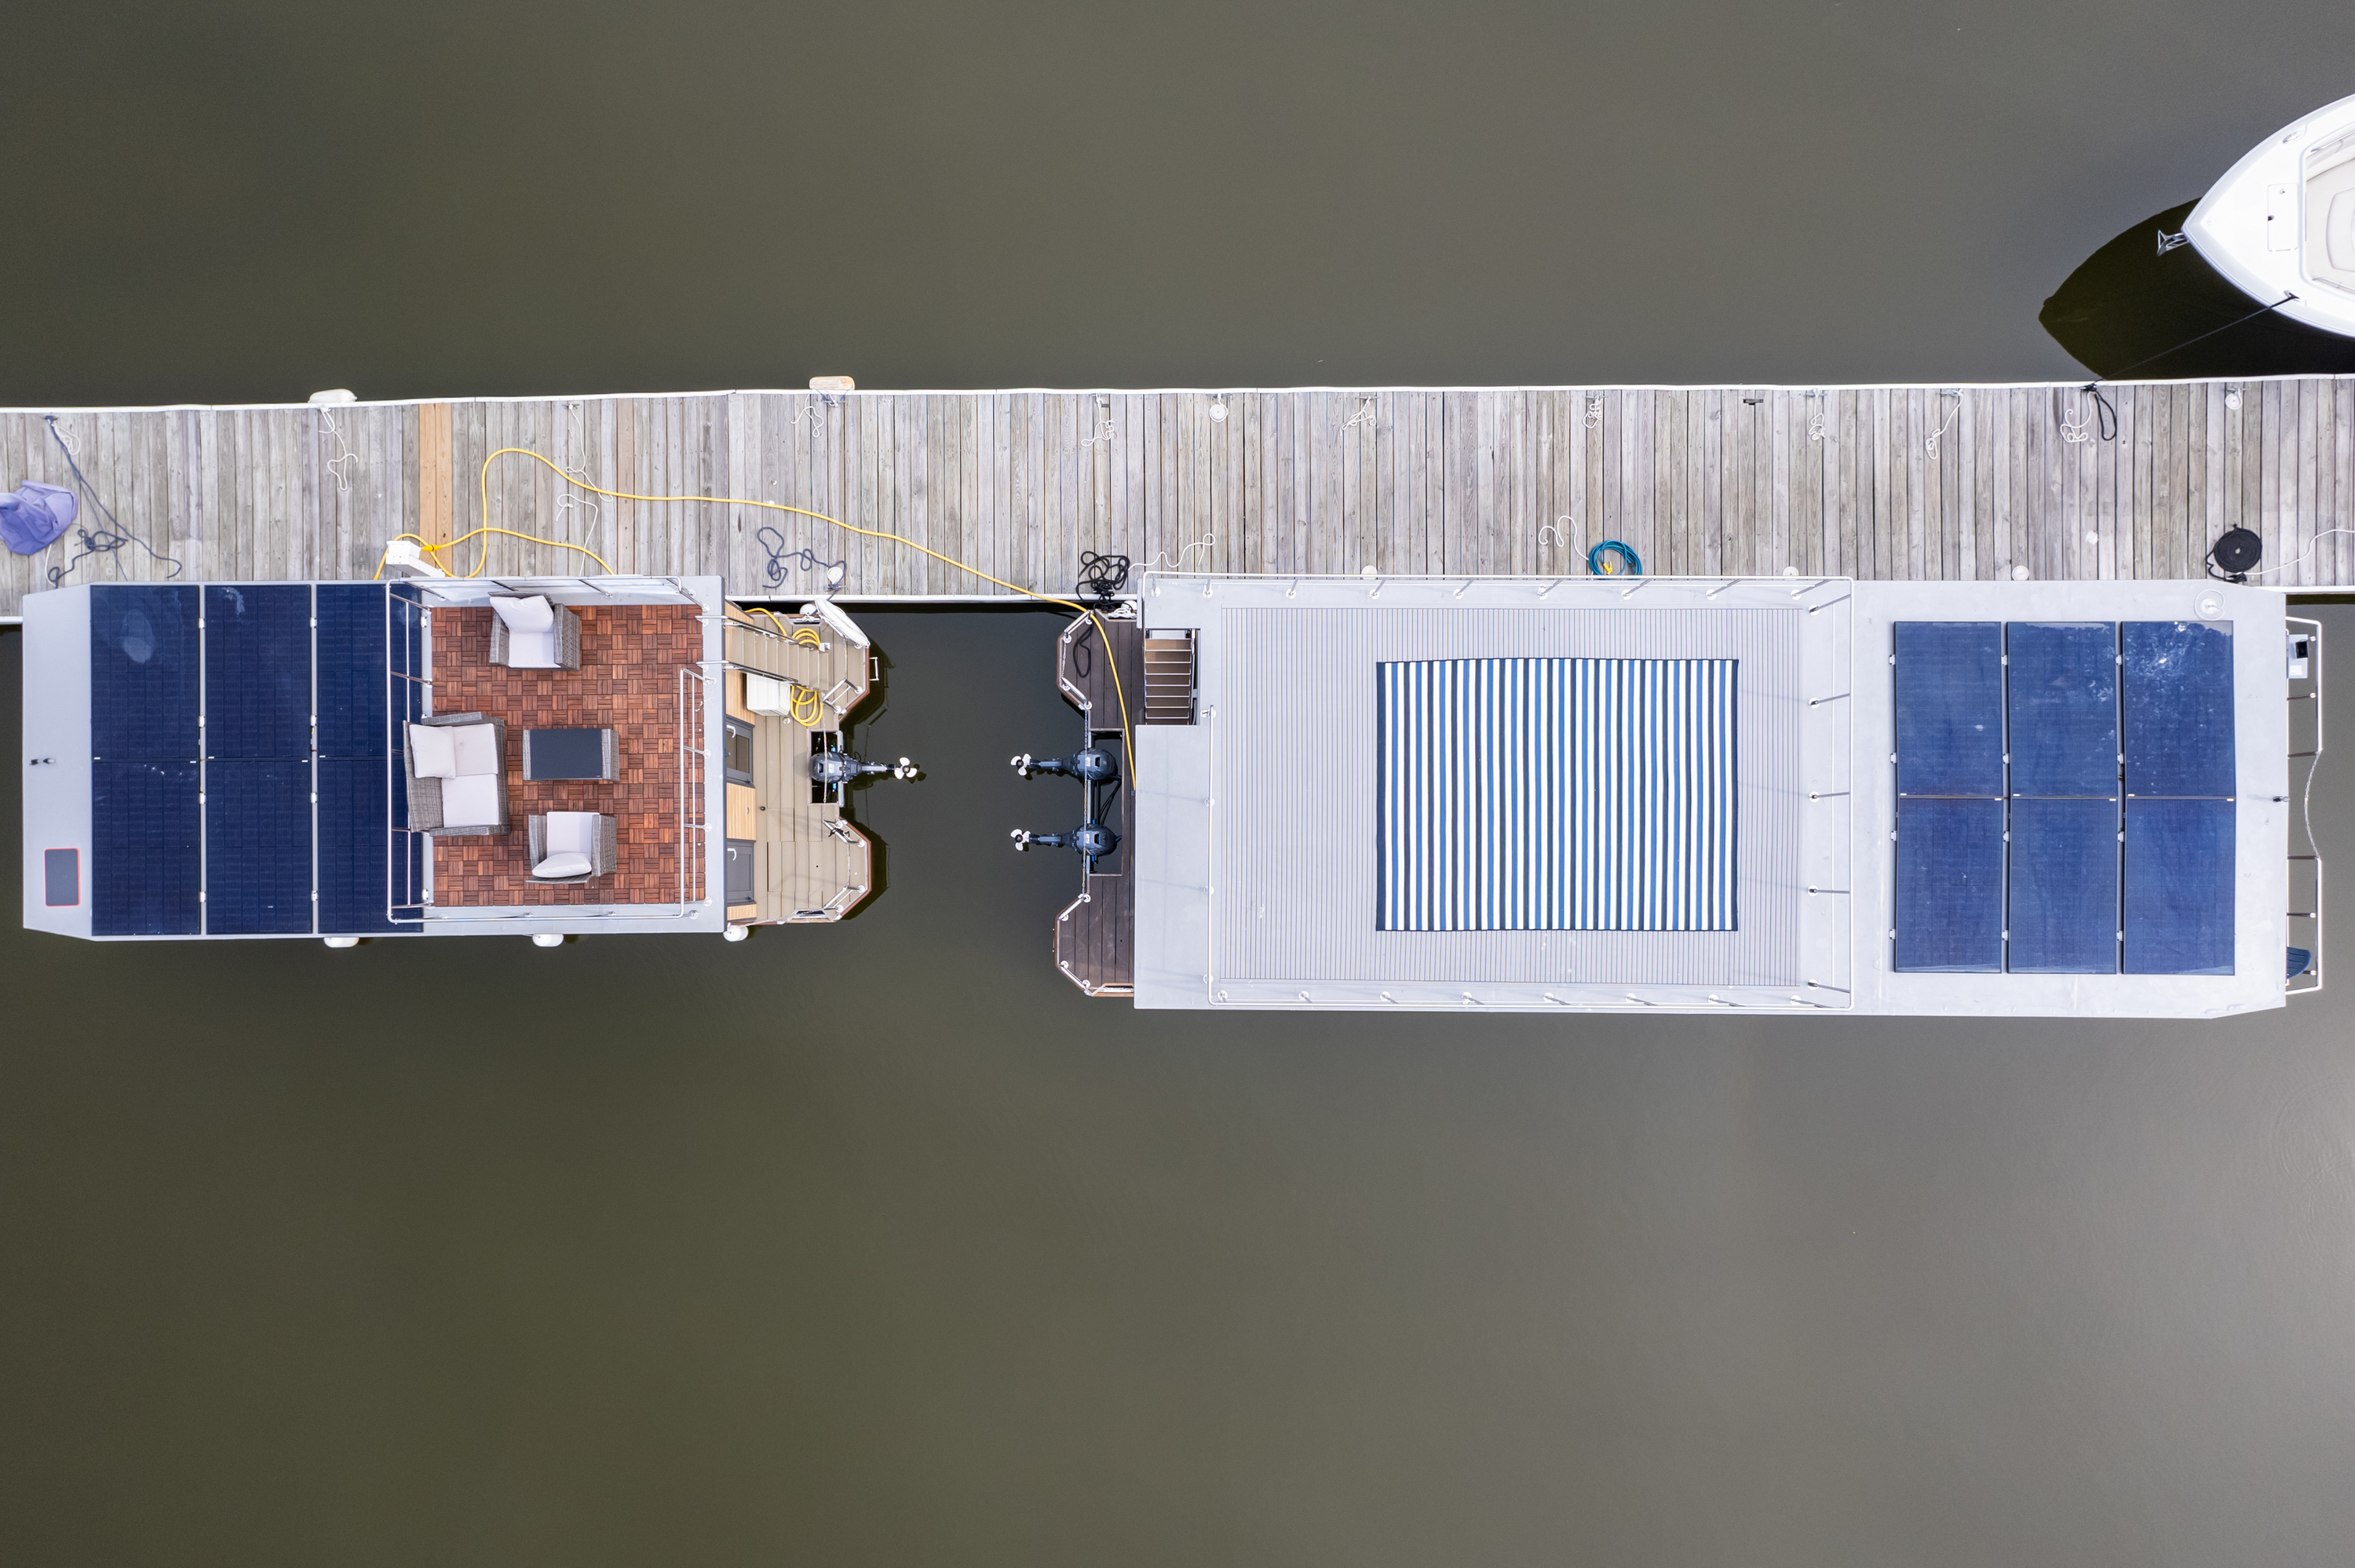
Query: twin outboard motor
1097	770
1092	840
1090	763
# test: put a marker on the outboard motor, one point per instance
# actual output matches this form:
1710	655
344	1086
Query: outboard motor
1092	840
835	768
1092	764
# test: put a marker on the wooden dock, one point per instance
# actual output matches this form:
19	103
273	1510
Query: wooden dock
1906	483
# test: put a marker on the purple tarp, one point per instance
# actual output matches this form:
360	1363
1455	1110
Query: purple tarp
32	518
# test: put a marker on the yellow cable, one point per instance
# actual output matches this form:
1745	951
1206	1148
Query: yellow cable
1129	739
436	549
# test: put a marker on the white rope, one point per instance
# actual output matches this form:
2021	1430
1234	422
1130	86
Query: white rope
334	465
1815	420
1931	446
2075	429
1202	544
1368	412
1557	528
579	471
1594	413
2302	554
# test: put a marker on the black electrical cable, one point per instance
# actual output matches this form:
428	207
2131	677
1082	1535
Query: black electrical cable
99	542
774	544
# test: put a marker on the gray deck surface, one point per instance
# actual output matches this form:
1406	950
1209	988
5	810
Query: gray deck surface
1876	482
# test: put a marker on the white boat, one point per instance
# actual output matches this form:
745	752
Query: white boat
2280	225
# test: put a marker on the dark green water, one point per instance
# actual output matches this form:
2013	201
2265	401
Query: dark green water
878	1244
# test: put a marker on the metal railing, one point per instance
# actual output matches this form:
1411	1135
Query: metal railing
406	856
2307	922
694	769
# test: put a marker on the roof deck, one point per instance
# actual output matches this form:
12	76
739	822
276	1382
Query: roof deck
639	662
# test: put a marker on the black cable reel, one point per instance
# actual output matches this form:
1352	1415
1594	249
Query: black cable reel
2235	555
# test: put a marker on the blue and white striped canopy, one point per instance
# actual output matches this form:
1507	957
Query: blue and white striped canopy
1556	794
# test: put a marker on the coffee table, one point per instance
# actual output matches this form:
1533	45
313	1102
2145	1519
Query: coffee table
570	754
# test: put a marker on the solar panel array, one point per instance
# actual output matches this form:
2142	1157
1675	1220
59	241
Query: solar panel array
2064	797
242	756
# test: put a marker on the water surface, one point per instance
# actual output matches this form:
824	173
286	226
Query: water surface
879	1244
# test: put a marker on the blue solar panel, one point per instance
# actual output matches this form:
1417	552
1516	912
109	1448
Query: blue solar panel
2178	690
2064	708
258	669
2064	886
1949	884
1949	690
2179	887
352	622
145	869
257	847
353	846
142	670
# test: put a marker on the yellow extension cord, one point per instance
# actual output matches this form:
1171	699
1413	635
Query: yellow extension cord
1129	741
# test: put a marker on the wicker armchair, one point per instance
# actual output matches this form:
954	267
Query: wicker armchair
528	632
588	835
474	804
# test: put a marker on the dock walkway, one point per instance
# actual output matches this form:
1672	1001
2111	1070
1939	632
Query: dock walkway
1921	483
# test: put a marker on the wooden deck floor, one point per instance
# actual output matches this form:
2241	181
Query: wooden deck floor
1906	482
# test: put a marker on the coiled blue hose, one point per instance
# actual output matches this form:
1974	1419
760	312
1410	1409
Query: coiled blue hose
1598	561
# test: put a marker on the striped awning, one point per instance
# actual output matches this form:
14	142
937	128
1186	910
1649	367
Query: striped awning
1556	794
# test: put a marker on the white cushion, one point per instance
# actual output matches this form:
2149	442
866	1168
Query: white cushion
431	754
477	746
471	800
531	650
533	614
572	832
566	864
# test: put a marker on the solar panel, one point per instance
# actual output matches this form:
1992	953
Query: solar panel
257	670
2177	691
146	870
142	670
353	846
2063	688
2180	886
1949	885
257	847
1949	696
352	622
2063	895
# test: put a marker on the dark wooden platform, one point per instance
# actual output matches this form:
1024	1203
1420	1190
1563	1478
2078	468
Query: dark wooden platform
1096	938
1085	676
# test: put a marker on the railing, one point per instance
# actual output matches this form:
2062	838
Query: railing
694	769
405	855
2308	890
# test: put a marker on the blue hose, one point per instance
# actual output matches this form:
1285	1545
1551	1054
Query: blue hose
1598	561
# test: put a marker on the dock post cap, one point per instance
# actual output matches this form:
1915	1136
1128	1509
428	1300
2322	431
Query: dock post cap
737	933
832	384
334	397
2019	574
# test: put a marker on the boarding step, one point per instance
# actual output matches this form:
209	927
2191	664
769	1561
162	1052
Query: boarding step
1169	677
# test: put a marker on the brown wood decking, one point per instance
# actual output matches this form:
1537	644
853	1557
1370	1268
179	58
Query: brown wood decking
628	682
1095	938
